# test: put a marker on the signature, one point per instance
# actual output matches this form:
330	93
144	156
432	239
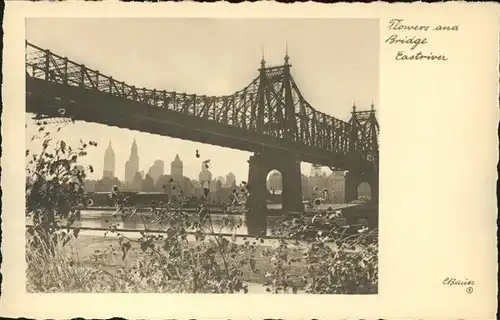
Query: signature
458	282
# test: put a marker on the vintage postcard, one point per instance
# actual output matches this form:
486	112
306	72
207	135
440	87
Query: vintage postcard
250	161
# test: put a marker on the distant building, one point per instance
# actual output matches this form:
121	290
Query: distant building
132	165
156	170
315	170
176	167
89	185
217	193
148	184
109	162
196	183
221	179
337	180
275	182
173	185
230	180
136	184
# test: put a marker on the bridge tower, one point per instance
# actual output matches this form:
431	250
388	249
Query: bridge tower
268	159
363	144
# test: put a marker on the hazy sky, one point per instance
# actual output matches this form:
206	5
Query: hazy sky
333	62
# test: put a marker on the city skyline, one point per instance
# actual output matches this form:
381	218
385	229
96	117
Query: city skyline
121	153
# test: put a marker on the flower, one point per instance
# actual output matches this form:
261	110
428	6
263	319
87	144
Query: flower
363	230
90	202
114	189
317	201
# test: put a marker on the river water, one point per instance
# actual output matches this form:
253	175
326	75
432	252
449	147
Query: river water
103	219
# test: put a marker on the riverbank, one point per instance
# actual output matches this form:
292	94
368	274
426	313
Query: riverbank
92	255
90	246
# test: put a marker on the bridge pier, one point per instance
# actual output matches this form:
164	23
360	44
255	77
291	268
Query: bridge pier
354	179
260	165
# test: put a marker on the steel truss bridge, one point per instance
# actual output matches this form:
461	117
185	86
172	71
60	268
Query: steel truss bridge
269	117
270	112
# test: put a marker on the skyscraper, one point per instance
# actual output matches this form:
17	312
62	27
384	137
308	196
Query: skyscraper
132	165
230	180
157	170
176	167
109	162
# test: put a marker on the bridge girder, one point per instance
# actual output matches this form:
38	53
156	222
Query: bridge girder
270	112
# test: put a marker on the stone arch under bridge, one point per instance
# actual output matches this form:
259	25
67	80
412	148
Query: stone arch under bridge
354	180
260	164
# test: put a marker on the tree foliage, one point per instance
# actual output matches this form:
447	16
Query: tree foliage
54	184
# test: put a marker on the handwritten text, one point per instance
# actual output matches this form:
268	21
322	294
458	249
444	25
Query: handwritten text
413	41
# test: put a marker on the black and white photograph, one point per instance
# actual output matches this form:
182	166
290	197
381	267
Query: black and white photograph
202	155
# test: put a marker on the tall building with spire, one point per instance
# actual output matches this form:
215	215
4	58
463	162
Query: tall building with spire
176	167
132	165
109	162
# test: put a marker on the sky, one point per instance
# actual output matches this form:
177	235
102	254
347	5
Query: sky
334	62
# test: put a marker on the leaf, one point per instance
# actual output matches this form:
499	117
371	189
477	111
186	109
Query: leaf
63	146
252	264
125	248
76	231
66	240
